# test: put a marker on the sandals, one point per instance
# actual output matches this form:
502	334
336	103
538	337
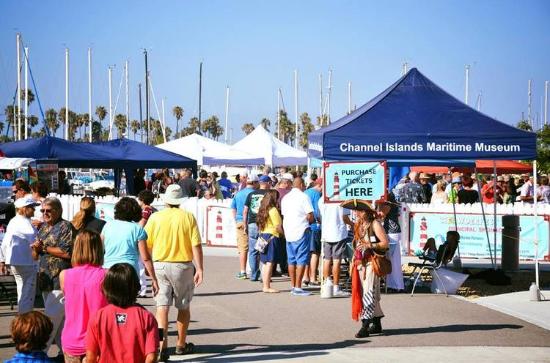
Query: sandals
189	348
164	356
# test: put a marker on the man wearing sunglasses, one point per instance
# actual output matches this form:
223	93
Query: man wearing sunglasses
20	188
53	247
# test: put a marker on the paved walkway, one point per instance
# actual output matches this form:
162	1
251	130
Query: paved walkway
233	321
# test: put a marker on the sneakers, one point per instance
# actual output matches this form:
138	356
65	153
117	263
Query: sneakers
241	276
339	293
299	292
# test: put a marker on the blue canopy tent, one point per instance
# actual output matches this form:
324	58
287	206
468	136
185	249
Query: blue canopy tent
116	154
415	122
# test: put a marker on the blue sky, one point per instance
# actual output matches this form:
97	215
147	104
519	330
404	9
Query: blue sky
254	47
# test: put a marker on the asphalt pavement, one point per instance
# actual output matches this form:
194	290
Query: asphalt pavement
233	321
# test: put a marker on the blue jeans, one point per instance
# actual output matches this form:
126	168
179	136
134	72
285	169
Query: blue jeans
253	255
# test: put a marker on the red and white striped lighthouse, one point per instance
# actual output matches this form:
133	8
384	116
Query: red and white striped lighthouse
219	227
336	187
423	232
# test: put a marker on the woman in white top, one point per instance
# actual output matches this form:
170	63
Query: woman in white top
440	196
16	253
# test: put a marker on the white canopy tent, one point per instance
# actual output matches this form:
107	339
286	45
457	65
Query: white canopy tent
14	163
209	152
274	152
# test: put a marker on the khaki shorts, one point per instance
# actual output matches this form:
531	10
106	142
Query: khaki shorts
175	284
242	238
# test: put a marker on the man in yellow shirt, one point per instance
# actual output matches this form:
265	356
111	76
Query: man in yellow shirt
175	242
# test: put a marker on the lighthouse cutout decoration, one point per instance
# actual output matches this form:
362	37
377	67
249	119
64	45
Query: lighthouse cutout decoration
423	232
336	187
219	227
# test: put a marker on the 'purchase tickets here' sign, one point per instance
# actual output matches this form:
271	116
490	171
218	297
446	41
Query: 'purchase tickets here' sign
354	180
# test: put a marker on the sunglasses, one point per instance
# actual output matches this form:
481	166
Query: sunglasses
44	211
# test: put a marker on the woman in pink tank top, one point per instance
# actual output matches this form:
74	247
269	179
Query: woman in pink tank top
83	295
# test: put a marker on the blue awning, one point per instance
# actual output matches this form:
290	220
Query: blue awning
415	119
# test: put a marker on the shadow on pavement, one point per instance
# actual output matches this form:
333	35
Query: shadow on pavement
224	293
250	352
455	328
213	331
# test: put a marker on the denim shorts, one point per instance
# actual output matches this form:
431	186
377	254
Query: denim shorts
270	252
298	251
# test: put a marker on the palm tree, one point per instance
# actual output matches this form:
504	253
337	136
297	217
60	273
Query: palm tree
135	126
177	111
101	113
51	120
194	126
247	128
265	123
120	124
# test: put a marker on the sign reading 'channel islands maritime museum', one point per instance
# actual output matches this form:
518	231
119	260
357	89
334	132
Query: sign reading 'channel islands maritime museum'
354	180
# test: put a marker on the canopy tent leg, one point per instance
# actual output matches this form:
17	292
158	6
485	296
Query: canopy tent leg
495	212
535	214
484	219
456	226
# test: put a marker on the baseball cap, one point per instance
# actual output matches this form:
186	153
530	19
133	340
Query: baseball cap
265	179
252	178
287	176
25	202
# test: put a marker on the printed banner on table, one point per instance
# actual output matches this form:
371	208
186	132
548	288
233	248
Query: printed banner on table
354	180
221	229
473	235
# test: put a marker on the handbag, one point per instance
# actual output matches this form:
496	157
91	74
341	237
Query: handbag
261	243
381	265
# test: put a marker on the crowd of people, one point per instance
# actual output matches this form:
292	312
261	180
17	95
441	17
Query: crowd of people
466	188
91	272
88	274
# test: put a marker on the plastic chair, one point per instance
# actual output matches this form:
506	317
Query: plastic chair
430	264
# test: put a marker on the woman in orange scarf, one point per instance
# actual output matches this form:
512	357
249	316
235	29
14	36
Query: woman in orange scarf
369	236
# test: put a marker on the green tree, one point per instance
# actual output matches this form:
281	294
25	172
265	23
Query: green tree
177	111
524	125
31	96
96	131
543	149
322	121
135	126
211	127
266	123
101	113
247	128
51	121
121	125
287	127
11	111
307	127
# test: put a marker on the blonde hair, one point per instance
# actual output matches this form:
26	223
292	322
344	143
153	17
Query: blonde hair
87	249
87	209
441	185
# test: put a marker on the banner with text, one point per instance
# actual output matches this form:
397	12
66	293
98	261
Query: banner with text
473	236
354	180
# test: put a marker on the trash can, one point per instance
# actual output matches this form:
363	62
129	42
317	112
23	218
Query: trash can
510	243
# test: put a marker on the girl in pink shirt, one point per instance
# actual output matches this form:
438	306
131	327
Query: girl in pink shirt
81	286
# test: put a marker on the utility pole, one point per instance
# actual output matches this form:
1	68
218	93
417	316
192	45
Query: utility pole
529	103
66	93
546	103
296	107
349	97
140	115
329	95
110	101
279	114
200	96
26	50
467	87
90	91
127	100
17	133
148	122
321	99
226	131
